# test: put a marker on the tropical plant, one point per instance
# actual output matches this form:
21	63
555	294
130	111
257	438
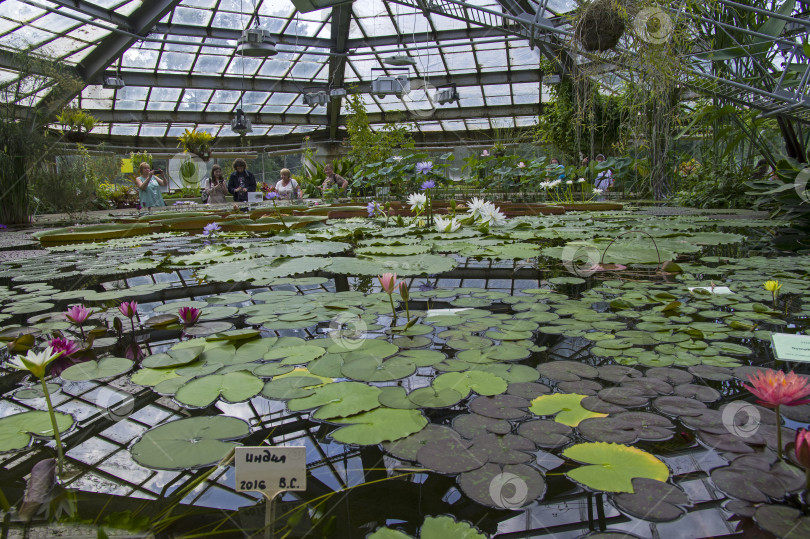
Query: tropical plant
76	123
367	145
196	142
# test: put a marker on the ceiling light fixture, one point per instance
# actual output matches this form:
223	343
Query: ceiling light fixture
400	60
256	43
397	85
241	124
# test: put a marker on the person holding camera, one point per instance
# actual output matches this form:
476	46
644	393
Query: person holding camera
214	187
241	181
148	184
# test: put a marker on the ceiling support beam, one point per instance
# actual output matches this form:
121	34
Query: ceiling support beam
208	82
110	48
193	117
97	12
341	19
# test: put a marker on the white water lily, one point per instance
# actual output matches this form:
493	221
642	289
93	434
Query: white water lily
555	183
474	207
492	216
36	362
569	182
446	225
545	185
417	201
581	180
597	191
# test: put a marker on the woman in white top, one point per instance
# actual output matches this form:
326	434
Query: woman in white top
288	188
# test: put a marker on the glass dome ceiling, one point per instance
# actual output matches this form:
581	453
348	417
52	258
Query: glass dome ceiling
181	69
180	65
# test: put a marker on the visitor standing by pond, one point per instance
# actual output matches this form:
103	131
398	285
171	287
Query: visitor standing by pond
286	187
215	186
241	181
604	179
148	184
332	178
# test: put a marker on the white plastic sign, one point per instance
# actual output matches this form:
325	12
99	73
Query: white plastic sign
788	347
271	469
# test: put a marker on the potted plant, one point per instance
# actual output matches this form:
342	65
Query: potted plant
196	142
76	123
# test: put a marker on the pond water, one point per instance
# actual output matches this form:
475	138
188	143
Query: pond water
545	378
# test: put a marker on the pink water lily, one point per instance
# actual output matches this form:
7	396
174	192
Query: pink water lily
66	346
78	314
775	388
129	308
388	281
189	315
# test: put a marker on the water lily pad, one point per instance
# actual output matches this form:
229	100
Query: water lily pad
472	425
188	443
653	501
545	433
507	487
92	370
528	390
291	387
612	467
500	406
341	399
482	383
207	328
379	425
372	369
701	393
294	355
782	521
232	387
564	406
679	406
429	397
17	430
35	392
172	358
566	371
408	447
444	527
450	456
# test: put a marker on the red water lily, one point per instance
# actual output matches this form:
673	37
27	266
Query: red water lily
775	388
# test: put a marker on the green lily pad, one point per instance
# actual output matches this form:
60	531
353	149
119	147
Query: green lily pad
428	397
172	358
482	383
341	399
16	431
379	425
92	370
612	467
445	527
295	355
291	387
371	369
188	443
232	387
565	407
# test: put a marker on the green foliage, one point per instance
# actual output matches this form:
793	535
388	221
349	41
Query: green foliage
196	142
23	141
716	185
62	184
369	146
786	196
572	120
76	121
138	158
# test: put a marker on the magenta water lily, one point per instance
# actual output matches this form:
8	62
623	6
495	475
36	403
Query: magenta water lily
78	315
189	315
65	346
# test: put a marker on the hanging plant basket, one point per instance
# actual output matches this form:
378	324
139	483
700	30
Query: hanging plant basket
600	27
205	156
76	136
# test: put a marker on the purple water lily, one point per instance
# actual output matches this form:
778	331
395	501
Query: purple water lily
430	184
211	228
424	167
271	195
373	209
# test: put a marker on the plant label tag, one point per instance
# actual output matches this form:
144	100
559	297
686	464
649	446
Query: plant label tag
270	469
787	347
715	290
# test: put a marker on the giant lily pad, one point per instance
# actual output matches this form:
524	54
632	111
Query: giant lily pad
17	430
236	386
338	400
188	443
379	425
92	370
564	406
612	467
